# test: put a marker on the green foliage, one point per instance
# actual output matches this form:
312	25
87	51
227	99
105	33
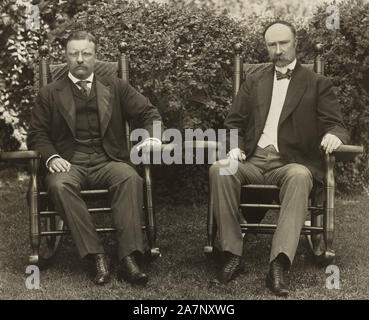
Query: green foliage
243	9
16	75
346	52
18	61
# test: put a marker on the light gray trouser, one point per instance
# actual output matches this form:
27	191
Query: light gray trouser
264	167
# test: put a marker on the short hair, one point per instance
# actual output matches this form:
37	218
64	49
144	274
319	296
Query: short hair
81	35
286	23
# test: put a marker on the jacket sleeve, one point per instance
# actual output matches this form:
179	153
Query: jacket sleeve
236	118
329	112
139	108
40	126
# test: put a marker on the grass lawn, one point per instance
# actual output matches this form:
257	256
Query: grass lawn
183	271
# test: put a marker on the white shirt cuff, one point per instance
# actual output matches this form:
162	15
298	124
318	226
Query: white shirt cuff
51	157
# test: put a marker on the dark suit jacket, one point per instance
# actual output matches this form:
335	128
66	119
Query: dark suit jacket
53	119
310	110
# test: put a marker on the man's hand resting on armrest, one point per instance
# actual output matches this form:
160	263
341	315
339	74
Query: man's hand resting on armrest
330	143
236	154
58	164
145	145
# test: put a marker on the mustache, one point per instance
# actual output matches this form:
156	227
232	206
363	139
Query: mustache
279	58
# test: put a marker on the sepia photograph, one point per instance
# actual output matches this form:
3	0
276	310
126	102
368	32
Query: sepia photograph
184	157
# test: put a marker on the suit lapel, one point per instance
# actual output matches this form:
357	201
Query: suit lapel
67	106
294	94
103	93
264	96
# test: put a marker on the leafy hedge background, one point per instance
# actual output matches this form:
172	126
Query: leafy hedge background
181	58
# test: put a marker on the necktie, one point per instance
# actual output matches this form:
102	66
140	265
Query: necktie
84	87
286	75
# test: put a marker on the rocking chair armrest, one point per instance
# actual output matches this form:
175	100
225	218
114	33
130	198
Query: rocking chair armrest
164	147
347	152
20	155
342	153
194	148
202	144
155	150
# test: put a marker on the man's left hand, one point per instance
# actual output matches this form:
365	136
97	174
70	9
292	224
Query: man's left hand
330	143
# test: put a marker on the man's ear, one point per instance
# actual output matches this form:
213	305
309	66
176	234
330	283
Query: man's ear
296	43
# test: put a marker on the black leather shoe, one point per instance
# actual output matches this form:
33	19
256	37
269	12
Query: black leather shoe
102	270
232	267
130	272
275	279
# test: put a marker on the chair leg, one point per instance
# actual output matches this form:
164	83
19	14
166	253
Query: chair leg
151	226
323	246
329	226
208	249
329	210
34	217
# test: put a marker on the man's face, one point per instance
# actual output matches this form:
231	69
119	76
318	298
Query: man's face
281	44
80	56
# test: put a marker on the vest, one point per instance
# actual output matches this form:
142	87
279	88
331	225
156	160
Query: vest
88	134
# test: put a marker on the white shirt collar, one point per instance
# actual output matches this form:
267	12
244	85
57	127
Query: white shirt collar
74	79
291	66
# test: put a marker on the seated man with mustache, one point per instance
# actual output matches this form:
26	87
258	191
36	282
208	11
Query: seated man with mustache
283	115
77	125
